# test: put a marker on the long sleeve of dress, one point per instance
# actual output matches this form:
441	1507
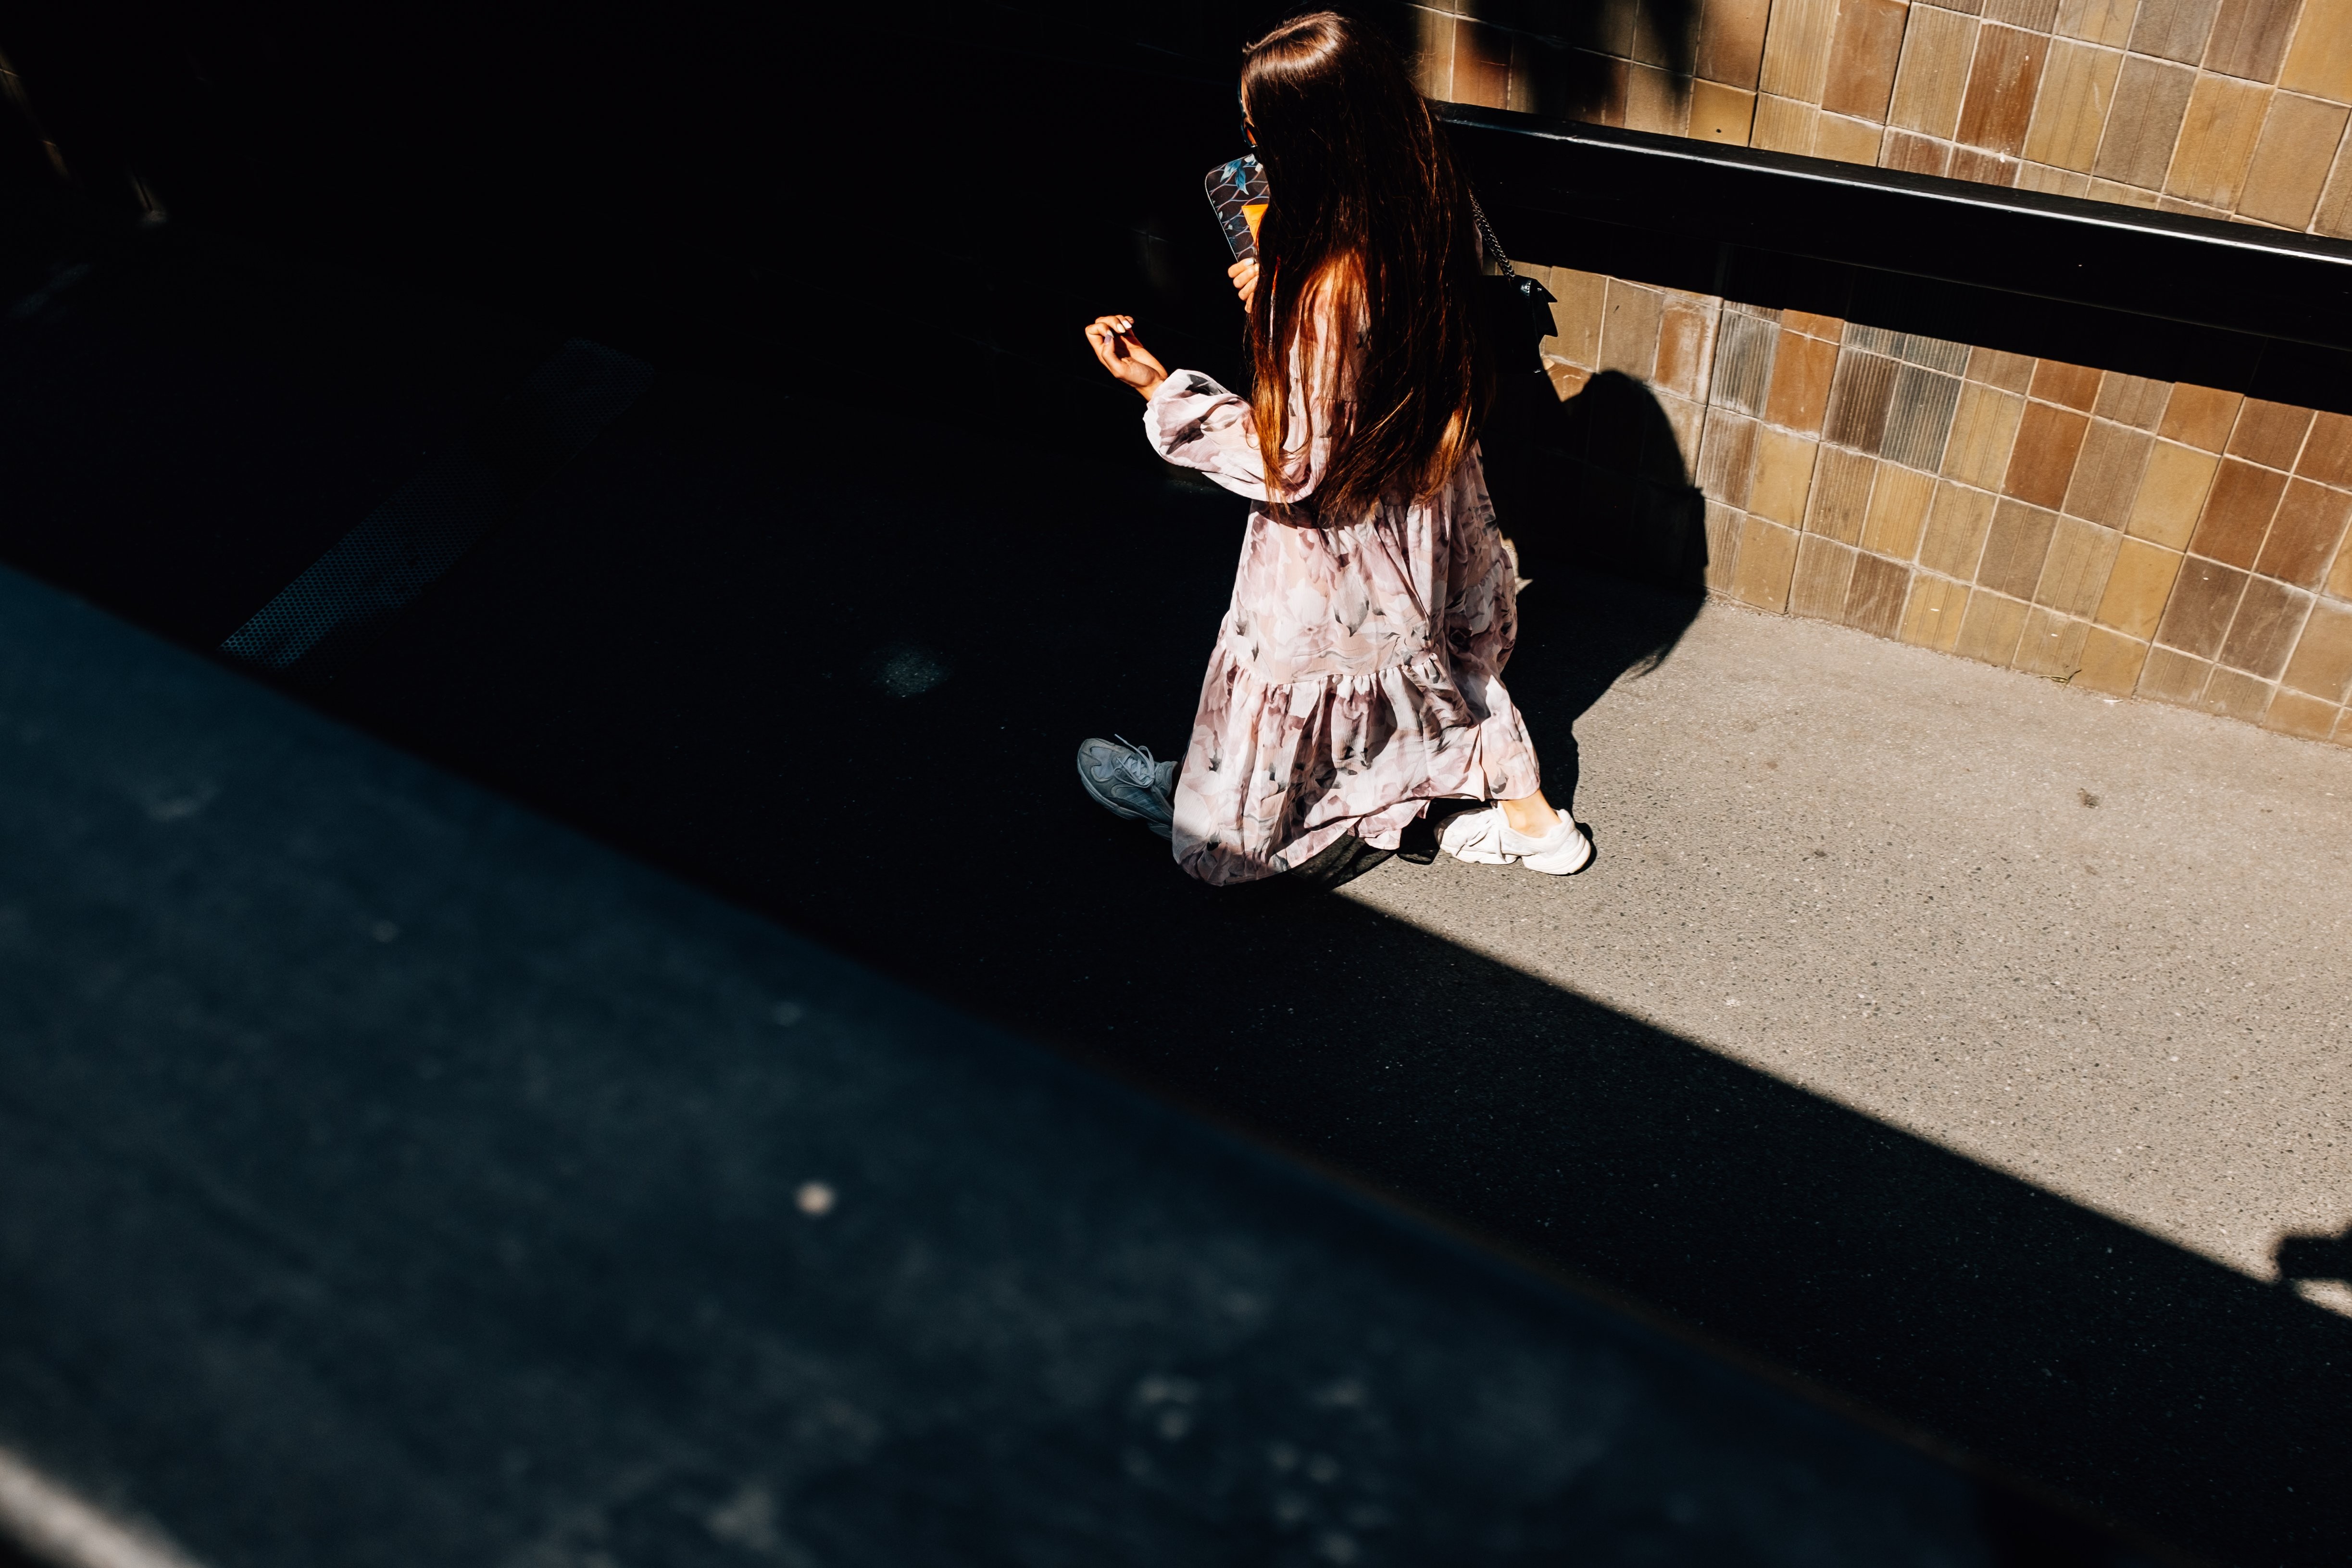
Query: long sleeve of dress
1193	421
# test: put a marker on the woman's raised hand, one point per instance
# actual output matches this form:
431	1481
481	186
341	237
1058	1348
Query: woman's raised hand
1123	354
1245	276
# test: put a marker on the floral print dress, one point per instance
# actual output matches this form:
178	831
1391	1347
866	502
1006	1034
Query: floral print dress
1358	675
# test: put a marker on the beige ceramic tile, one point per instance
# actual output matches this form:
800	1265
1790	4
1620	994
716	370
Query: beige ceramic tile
2074	572
1432	55
2110	663
1583	305
2144	122
1727	458
1797	48
1984	168
2057	182
1723	525
2292	714
2321	665
1567	380
2131	400
1983	427
1991	627
1898	512
2170	676
1655	102
1829	329
1686	342
1958	521
2339	581
2333	215
1841	494
2124	195
2291	161
1768	556
1730	44
2078	86
1864	49
1629	330
1931	617
2002	85
1913	154
2171	495
2051	644
1482	65
1784	475
2009	372
2071	385
1847	140
2238	512
2041	461
1824	570
2236	696
2108	473
1938	47
2319	61
2015	548
1803	366
1719	113
2096	21
2249	38
2199	416
2217	141
2137	586
1783	125
1875	597
2173	29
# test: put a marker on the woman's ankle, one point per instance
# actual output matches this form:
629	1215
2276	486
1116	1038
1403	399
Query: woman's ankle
1531	816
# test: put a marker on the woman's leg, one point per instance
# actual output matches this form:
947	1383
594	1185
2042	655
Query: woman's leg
1531	815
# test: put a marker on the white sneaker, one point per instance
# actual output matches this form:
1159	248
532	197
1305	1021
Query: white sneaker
1126	780
1563	852
1475	837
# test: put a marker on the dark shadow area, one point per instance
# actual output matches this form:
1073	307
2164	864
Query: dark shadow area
786	595
395	1178
669	648
2316	1257
1610	536
1613	497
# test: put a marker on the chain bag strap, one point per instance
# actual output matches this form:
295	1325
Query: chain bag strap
1486	235
1519	309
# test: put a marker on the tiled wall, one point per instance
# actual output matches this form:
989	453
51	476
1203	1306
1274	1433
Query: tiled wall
2136	537
2229	109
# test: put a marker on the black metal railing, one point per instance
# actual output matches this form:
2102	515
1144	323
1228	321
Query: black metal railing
2160	294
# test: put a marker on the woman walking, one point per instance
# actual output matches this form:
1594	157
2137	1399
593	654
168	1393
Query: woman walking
1358	675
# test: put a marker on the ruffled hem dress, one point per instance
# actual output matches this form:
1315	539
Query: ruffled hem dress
1357	674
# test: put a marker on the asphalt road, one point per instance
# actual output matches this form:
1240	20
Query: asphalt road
2104	947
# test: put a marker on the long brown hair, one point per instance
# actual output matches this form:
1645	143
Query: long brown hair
1368	222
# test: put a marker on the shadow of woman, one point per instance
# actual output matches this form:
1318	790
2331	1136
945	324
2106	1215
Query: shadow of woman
1611	541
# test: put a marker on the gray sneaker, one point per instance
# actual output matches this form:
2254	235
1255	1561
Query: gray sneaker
1126	780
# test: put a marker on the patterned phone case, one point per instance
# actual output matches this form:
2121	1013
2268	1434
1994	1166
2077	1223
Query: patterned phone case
1237	190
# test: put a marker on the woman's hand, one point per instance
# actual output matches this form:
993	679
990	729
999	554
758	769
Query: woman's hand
1245	276
1123	354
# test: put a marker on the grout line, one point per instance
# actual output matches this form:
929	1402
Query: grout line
56	1527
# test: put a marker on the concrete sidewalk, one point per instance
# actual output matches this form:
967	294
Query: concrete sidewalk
2103	946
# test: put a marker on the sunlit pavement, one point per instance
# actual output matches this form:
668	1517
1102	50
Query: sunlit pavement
2105	947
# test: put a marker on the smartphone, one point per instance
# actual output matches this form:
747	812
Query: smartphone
1237	192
